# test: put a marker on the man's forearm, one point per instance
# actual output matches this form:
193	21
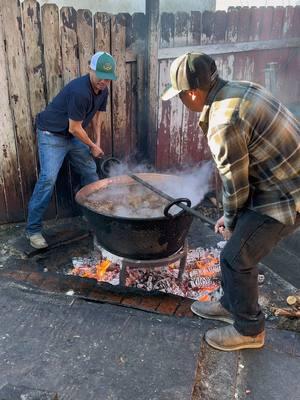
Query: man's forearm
81	134
96	124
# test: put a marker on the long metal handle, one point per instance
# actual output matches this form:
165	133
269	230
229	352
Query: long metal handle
169	198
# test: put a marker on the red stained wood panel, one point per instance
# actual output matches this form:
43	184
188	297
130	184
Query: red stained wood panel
244	24
290	66
164	115
165	109
243	62
177	108
232	25
277	24
255	23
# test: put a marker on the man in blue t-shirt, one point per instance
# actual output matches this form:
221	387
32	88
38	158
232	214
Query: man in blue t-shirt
61	132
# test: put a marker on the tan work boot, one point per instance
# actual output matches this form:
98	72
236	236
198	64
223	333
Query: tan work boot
212	310
37	240
228	338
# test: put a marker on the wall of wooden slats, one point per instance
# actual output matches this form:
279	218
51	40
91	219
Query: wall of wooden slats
179	139
42	49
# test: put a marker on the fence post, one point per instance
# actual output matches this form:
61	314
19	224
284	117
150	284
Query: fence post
152	15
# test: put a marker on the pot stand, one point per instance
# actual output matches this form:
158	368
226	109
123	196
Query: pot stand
180	255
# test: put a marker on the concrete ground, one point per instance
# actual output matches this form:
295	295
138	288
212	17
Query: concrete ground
54	346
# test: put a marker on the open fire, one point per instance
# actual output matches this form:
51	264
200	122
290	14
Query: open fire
200	280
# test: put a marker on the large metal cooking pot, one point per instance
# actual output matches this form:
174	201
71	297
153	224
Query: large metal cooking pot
135	238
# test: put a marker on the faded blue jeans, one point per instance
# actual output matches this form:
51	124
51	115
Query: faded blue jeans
52	151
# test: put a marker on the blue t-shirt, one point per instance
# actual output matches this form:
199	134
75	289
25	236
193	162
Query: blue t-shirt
76	101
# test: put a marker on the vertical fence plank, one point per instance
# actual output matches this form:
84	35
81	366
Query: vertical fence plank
182	22
102	43
164	117
180	39
3	206
167	30
267	22
152	13
118	45
194	145
167	34
220	27
34	55
255	24
195	28
70	68
52	53
139	29
130	87
53	67
288	22
244	24
35	66
265	34
11	204
133	112
190	131
290	65
85	48
232	25
208	26
69	43
277	25
85	39
243	62
18	92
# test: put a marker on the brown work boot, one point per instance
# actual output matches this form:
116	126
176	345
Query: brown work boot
212	310
228	338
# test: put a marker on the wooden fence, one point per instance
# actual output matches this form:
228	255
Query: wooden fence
41	49
257	44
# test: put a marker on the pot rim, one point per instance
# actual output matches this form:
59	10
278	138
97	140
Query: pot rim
86	190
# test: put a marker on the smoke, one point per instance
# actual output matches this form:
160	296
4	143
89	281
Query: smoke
193	183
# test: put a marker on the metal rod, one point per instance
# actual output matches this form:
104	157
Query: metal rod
171	199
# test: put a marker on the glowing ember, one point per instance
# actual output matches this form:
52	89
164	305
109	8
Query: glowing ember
201	279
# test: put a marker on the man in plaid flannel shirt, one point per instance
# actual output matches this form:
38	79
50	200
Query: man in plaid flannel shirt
255	143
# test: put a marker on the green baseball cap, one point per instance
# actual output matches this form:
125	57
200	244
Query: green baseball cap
104	65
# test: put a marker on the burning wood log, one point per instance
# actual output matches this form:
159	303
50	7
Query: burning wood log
293	300
286	312
201	279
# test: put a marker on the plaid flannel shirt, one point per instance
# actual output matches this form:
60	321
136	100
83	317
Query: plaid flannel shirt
255	143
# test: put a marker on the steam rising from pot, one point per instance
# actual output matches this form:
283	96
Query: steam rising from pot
133	200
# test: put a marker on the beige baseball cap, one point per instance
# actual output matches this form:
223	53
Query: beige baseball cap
190	71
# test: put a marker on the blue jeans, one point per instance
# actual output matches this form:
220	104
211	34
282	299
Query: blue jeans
52	151
254	236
